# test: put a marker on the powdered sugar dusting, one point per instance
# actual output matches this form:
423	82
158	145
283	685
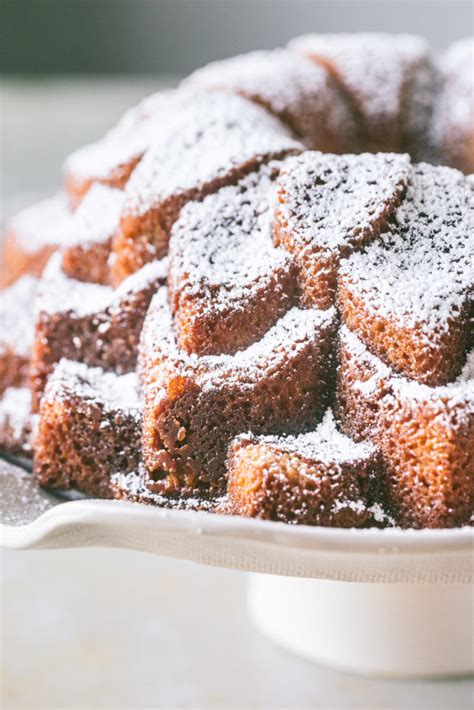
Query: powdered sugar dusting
96	218
213	135
453	118
127	142
16	316
359	352
330	201
41	224
16	420
373	68
457	396
94	385
290	334
421	271
81	298
78	297
221	248
325	444
291	86
133	486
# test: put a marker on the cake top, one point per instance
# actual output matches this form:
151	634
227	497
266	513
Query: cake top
289	335
16	316
459	57
288	77
326	444
372	67
290	85
82	298
97	217
244	368
44	223
222	246
421	270
77	297
16	417
455	108
127	141
134	486
329	201
215	135
95	386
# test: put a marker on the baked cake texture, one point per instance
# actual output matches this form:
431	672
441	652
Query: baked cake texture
89	428
453	120
387	79
214	140
330	205
425	434
258	294
409	295
88	322
227	283
194	406
112	159
17	423
89	235
321	477
303	95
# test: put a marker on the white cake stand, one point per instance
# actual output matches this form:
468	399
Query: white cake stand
384	602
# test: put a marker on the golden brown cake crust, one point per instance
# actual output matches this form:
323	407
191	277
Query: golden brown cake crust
94	324
31	237
227	283
425	435
318	478
194	407
89	428
409	294
217	139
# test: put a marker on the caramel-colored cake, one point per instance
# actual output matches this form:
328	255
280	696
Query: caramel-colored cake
89	428
256	294
424	434
90	323
194	406
319	478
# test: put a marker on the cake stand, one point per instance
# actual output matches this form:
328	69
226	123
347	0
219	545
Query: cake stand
380	602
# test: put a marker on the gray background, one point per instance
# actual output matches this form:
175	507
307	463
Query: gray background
175	36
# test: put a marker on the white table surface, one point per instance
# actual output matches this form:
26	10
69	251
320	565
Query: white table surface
90	629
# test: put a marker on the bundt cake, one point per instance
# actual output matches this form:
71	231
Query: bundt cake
254	296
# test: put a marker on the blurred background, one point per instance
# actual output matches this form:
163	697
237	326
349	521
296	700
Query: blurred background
73	66
115	629
176	36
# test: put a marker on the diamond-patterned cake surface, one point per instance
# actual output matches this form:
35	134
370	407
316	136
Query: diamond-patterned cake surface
248	310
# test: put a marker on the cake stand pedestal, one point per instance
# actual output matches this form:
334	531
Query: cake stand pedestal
374	629
380	602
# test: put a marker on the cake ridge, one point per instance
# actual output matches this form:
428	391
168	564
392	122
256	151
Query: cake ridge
255	294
